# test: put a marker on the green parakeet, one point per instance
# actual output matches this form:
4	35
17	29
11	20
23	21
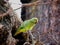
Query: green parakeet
26	25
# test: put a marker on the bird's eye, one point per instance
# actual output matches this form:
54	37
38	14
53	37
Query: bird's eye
35	22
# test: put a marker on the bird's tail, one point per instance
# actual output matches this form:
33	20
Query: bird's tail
16	33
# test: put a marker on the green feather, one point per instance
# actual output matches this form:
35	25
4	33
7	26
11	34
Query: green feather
26	25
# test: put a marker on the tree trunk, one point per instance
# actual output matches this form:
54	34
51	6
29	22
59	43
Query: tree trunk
47	28
46	31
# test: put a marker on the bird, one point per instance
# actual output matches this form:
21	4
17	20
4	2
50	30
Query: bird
26	25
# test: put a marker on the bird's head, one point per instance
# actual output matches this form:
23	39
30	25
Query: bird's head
34	20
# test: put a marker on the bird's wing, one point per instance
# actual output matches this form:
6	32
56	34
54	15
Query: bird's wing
23	26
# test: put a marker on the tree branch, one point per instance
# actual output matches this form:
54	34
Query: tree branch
31	4
6	13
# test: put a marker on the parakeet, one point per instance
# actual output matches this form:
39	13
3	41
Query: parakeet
26	25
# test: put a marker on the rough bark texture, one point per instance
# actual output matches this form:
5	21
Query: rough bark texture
46	31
